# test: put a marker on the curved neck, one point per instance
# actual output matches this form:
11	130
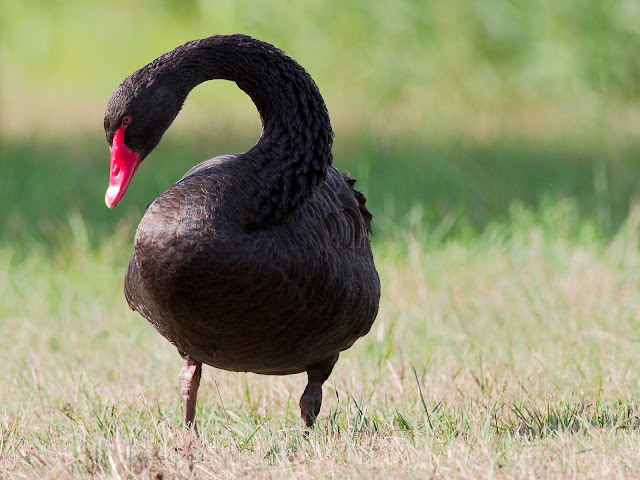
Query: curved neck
294	151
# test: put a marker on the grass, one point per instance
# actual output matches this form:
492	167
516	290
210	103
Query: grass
405	66
497	144
458	182
507	355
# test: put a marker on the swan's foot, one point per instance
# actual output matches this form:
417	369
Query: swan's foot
189	382
310	403
311	399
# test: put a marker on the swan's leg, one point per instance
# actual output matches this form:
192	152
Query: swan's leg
311	399
189	382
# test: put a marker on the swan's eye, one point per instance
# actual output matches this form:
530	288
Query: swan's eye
126	120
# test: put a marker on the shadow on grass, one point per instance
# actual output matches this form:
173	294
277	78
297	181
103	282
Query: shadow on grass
41	182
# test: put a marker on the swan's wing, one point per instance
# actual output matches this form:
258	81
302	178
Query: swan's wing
343	211
208	164
362	201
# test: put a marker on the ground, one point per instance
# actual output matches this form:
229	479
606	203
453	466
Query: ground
510	355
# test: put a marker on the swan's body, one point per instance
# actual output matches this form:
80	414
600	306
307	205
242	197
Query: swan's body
255	262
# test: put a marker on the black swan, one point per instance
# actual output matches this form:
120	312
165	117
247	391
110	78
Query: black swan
256	262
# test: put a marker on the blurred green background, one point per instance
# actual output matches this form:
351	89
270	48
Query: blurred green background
451	114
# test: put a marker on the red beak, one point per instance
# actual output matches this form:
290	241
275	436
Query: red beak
124	164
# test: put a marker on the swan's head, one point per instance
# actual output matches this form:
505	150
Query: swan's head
137	115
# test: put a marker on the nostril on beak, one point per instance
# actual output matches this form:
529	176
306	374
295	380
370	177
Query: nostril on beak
116	170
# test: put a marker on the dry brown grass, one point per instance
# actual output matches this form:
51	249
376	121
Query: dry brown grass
509	355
